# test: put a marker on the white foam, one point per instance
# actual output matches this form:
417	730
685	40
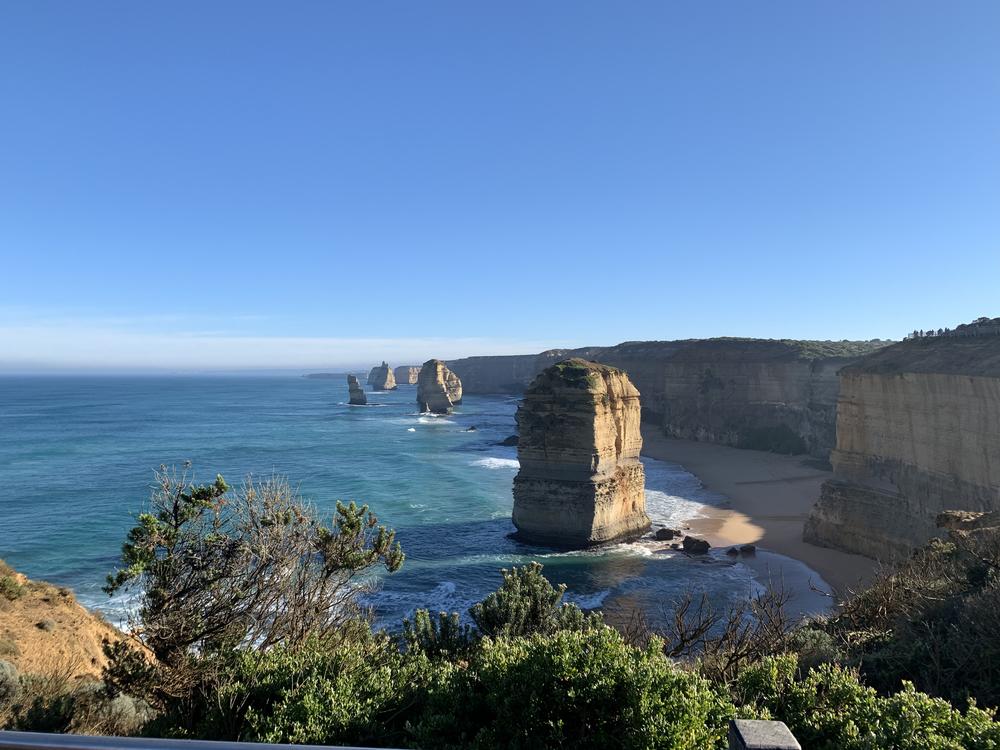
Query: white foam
497	463
411	429
427	419
589	601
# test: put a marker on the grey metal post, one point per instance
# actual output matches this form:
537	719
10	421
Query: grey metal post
747	734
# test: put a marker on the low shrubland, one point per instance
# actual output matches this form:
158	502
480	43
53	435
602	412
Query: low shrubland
219	650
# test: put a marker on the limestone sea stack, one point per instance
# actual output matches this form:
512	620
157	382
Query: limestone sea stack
381	378
406	375
357	393
581	482
438	388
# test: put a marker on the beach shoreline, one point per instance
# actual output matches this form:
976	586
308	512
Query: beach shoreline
767	500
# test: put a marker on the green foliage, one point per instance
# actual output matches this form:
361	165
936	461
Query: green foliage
571	689
356	692
218	570
527	603
156	545
445	636
831	710
10	682
931	620
10	589
64	706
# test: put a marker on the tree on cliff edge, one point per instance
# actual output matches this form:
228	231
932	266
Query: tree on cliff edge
217	569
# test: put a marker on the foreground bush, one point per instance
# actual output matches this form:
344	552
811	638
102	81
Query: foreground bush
581	689
829	709
931	620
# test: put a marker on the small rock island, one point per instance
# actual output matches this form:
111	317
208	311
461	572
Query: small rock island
381	378
357	393
438	388
581	482
406	375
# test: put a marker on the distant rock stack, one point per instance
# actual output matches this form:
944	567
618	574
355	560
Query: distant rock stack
438	388
358	397
581	482
381	378
406	375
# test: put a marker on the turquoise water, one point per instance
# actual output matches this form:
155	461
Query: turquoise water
77	456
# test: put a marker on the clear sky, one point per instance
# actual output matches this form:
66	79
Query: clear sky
302	184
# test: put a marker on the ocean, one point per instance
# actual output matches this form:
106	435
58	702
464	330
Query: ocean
77	456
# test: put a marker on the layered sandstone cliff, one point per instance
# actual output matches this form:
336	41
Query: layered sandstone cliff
580	481
381	378
751	393
918	433
406	375
438	388
356	392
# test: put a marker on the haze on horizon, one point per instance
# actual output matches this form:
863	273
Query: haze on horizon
252	185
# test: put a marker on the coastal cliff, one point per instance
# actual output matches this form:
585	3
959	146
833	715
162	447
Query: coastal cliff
406	375
43	627
438	388
749	393
918	433
580	481
356	392
381	378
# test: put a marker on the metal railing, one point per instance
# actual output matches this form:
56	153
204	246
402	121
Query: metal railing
40	741
743	735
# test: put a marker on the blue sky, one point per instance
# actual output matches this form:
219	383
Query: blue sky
194	185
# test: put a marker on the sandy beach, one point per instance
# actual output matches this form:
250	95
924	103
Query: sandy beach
769	497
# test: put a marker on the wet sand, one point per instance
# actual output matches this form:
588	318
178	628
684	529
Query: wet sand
768	497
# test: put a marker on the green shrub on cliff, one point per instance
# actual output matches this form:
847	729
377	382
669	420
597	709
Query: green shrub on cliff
829	709
931	620
572	689
525	604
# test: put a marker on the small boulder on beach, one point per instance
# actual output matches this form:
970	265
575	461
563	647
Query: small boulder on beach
694	546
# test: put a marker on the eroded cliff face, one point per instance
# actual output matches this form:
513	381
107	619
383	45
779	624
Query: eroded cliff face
438	388
406	375
580	481
381	378
355	392
751	393
502	374
918	433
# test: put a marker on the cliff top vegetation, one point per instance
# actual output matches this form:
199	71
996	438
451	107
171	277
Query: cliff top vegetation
732	346
946	355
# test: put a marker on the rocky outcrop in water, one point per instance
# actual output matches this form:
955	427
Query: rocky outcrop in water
438	388
749	393
356	392
381	378
918	433
580	481
406	375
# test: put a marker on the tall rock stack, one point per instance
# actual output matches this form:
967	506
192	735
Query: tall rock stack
453	387
438	388
581	482
381	378
357	393
406	375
